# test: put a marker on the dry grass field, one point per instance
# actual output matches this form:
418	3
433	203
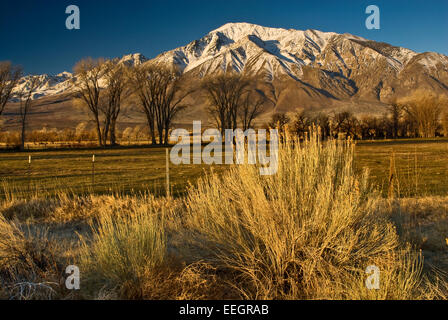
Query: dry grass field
419	167
124	170
307	232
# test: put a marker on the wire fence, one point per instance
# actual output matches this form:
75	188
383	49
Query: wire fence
96	171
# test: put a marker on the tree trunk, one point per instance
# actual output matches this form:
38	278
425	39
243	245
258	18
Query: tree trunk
22	145
113	138
151	129
98	131
167	130
160	130
106	132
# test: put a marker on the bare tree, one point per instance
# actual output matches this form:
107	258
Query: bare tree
9	76
225	93
445	123
172	106
322	121
345	122
25	96
88	74
170	98
114	93
395	111
160	94
251	108
302	123
144	87
424	109
370	127
279	120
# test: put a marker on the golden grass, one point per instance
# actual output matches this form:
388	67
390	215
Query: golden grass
307	232
29	268
125	249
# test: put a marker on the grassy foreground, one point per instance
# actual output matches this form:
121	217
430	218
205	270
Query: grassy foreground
418	166
420	169
307	232
123	170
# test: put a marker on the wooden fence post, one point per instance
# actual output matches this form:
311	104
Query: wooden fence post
167	172
29	173
93	170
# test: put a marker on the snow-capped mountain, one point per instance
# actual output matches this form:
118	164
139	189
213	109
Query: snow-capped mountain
63	82
243	45
335	65
133	59
50	85
318	65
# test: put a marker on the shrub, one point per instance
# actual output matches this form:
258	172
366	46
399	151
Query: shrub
125	250
307	232
28	266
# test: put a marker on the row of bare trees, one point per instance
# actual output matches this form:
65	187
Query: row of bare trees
104	88
422	115
233	100
159	92
82	135
9	78
103	104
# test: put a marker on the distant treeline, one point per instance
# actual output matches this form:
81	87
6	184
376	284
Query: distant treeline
104	89
81	135
421	116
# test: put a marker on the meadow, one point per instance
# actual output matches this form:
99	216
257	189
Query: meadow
125	170
419	167
307	232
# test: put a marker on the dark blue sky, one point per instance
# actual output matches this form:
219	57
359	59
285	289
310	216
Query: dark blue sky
33	33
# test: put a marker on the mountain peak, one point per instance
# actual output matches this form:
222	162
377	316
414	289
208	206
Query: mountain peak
236	42
327	64
133	59
243	27
239	30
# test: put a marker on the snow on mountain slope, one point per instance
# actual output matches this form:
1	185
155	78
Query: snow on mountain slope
322	63
343	65
63	82
132	59
240	45
50	85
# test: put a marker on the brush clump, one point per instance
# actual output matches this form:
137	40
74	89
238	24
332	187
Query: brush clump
307	232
